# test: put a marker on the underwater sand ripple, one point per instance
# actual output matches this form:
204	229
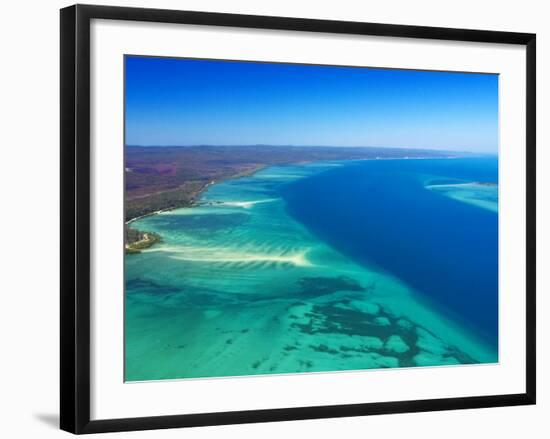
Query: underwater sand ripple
224	255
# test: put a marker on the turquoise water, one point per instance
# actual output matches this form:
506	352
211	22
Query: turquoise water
380	214
254	279
480	195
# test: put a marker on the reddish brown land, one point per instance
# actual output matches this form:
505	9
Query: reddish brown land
159	178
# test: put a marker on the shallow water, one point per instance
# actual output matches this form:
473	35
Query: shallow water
253	281
480	195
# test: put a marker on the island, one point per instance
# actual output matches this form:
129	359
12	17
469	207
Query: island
135	240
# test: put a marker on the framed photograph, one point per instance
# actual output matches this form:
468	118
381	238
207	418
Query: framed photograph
268	218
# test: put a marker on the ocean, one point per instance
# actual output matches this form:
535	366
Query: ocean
319	267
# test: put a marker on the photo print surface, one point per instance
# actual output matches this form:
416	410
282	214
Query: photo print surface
290	218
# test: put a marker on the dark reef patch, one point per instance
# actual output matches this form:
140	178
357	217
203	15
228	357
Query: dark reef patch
256	364
308	364
321	286
323	348
142	286
337	318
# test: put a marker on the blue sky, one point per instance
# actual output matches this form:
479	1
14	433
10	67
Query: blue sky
172	101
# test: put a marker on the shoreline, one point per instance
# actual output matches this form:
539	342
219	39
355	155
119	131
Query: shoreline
129	246
246	173
251	172
146	240
261	167
156	212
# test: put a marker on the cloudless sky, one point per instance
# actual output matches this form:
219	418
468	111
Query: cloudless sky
171	101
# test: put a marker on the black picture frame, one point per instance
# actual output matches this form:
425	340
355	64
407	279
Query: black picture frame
75	218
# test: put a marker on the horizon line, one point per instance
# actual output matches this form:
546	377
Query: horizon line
307	146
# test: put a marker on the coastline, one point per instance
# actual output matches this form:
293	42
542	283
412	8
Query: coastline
195	197
258	168
135	247
250	172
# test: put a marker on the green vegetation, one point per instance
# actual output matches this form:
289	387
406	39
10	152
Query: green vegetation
160	178
135	240
182	196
